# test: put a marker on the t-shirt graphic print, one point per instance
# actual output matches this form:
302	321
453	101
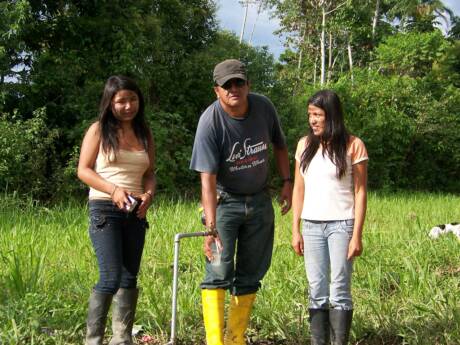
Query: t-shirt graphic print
236	149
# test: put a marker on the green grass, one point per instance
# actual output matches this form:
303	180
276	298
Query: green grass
406	286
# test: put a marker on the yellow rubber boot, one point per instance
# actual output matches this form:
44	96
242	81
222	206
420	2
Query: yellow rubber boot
238	318
213	315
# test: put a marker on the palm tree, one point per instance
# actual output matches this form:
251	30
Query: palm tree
420	15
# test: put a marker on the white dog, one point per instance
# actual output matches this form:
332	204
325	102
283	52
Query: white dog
443	229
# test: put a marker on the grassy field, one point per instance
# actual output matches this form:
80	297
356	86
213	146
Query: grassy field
406	286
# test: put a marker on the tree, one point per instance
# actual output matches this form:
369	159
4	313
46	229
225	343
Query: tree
454	32
65	51
69	48
411	54
418	15
375	19
337	32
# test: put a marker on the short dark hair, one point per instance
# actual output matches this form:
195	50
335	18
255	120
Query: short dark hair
107	121
335	137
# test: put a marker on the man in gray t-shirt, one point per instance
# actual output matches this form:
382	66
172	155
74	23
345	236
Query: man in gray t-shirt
231	153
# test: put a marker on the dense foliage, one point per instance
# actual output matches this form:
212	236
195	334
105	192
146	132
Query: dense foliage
399	82
56	57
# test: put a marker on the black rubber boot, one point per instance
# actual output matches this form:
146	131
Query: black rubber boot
124	309
99	304
319	326
340	322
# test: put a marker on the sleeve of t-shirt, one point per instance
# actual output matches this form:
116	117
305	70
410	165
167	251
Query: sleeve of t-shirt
300	149
358	152
205	153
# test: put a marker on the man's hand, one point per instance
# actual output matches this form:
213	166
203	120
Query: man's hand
208	241
285	198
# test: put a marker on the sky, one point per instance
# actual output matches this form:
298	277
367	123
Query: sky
454	5
230	14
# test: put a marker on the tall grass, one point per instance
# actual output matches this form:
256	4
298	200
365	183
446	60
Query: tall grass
406	286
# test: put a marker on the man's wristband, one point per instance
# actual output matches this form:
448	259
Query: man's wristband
287	179
212	230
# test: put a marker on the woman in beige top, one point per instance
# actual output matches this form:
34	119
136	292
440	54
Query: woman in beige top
117	163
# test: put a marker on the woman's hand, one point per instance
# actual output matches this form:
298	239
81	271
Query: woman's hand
297	243
355	248
146	201
120	197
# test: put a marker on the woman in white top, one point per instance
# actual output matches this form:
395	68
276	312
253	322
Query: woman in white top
117	163
330	198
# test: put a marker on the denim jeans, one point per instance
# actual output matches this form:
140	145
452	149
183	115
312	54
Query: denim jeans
328	270
118	241
246	227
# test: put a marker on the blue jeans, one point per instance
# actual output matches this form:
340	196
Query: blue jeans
246	228
118	241
328	270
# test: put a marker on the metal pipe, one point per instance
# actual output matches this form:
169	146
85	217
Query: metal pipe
177	239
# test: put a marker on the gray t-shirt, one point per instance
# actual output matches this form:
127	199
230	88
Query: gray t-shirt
236	150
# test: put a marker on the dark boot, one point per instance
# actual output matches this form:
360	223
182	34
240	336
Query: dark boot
340	321
124	309
99	304
319	326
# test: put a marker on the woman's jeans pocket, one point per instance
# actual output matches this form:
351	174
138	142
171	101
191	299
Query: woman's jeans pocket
96	223
118	241
347	226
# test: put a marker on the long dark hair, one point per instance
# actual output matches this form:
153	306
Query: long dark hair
109	124
335	137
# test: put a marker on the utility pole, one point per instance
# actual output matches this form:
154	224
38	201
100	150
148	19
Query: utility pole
255	21
244	20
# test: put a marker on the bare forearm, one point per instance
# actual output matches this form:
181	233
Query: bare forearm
94	180
360	191
150	180
150	183
282	162
297	199
360	213
209	198
297	204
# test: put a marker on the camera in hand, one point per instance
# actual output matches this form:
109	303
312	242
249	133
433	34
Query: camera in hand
132	205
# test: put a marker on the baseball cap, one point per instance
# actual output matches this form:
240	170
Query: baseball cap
229	69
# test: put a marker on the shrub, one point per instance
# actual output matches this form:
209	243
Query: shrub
173	144
410	132
27	154
411	54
